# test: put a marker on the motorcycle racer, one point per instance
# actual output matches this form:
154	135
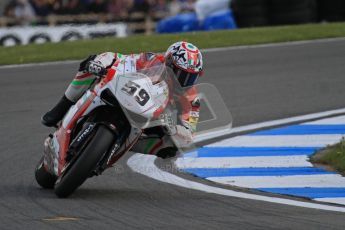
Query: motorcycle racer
184	59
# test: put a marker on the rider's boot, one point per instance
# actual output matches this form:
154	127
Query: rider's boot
52	117
168	152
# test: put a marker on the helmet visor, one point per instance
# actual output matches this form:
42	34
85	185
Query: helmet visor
186	79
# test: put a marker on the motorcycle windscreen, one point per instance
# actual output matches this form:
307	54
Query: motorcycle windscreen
153	98
206	114
215	117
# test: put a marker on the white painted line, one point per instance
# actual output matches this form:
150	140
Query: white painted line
340	120
340	200
243	162
280	141
262	125
144	164
39	64
299	181
221	49
279	44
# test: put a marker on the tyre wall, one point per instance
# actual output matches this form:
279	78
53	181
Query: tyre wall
22	35
251	13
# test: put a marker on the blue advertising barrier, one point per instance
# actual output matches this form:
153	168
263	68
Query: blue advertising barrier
189	22
220	20
180	23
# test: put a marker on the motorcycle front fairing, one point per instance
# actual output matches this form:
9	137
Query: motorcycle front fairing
142	94
152	97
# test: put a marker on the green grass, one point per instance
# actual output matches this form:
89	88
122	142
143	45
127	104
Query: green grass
156	43
333	156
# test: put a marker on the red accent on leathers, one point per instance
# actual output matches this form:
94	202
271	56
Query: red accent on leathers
83	76
149	60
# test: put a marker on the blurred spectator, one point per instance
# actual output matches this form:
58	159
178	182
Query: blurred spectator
85	2
204	8
174	7
74	7
29	10
44	8
140	6
41	7
57	6
9	9
118	7
178	6
188	5
68	7
97	6
21	10
160	6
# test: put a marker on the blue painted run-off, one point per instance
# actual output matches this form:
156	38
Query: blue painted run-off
251	151
224	172
303	130
308	192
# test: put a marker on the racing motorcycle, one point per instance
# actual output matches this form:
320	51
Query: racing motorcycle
103	125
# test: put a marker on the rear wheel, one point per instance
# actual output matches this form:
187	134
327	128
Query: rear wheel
43	177
82	168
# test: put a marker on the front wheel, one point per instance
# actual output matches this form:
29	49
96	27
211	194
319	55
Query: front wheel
82	168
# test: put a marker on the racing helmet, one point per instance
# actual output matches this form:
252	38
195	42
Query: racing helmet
185	59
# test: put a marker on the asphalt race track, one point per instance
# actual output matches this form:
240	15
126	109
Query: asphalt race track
258	84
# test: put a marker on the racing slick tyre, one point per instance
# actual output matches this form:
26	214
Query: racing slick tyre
331	11
286	12
71	36
250	13
39	39
83	166
43	177
10	40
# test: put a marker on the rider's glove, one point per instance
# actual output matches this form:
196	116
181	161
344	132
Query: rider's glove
82	66
168	124
96	68
181	134
184	134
